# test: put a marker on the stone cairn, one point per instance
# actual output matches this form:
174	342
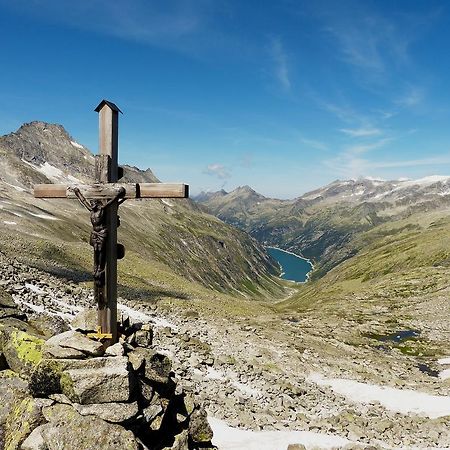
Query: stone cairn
59	389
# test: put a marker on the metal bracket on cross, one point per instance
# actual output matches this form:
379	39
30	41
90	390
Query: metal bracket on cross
102	199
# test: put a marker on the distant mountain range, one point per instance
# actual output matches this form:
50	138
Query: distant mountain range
163	238
323	224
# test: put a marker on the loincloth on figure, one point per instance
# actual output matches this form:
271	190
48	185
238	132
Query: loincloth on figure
98	239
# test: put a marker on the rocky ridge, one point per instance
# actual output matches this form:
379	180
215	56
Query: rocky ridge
321	225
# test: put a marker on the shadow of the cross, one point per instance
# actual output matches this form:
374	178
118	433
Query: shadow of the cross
149	294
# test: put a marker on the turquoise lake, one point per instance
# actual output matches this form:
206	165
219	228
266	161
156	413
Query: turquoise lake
294	267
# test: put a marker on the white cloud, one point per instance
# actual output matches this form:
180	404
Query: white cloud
280	60
217	170
361	132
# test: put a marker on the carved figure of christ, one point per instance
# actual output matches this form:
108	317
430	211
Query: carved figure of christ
99	231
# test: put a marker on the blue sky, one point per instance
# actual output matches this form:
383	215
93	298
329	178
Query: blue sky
284	96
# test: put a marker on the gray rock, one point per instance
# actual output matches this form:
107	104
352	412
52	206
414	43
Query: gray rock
144	338
296	447
25	415
69	430
74	340
199	429
111	412
97	380
57	352
12	389
35	441
48	325
86	320
156	366
115	350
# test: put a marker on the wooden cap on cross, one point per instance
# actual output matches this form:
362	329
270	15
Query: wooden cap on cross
105	189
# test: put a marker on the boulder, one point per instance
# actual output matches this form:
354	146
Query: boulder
111	412
156	366
115	350
86	320
25	415
199	429
48	324
97	380
144	337
69	430
34	441
12	389
45	378
57	352
296	447
22	351
73	340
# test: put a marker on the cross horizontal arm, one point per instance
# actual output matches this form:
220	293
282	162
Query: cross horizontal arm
163	190
97	191
110	190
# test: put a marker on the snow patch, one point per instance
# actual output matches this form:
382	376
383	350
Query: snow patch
405	401
17	188
213	374
7	222
74	179
142	317
444	361
229	438
42	216
76	144
34	288
166	202
50	171
426	180
252	392
445	374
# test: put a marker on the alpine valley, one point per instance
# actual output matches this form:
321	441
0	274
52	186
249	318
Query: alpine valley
358	357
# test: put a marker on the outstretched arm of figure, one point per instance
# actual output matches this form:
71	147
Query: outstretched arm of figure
81	198
120	197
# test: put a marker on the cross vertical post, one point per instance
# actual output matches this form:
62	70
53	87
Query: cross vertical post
107	172
102	200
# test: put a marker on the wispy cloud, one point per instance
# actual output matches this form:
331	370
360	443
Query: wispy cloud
280	60
431	161
188	26
413	97
361	132
318	145
351	162
366	39
218	170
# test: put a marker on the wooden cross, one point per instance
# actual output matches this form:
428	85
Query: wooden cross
102	199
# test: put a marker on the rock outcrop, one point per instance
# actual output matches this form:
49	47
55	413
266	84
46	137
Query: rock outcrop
67	392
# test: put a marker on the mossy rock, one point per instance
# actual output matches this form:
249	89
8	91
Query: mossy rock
23	418
23	351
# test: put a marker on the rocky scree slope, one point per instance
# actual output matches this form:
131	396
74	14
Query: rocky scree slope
322	224
260	371
175	236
